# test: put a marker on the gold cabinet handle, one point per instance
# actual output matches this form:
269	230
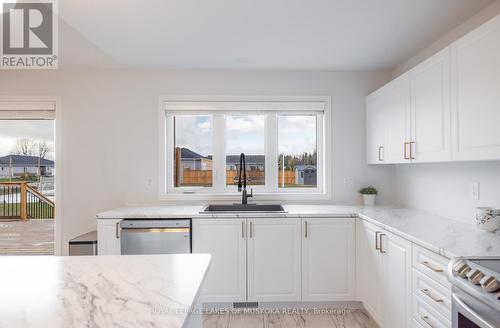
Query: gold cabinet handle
377	247
432	297
380	151
406	150
380	249
426	320
305	229
117	228
251	230
432	267
412	143
242	229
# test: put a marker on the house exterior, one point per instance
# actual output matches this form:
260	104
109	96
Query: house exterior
12	166
191	160
253	162
305	175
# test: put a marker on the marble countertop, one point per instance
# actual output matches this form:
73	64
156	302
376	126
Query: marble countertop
447	237
190	211
99	291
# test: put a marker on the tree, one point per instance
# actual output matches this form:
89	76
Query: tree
42	149
24	147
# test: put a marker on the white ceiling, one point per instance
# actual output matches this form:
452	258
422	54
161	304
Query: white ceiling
264	34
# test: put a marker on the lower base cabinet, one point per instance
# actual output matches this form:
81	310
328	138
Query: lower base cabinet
398	295
277	259
225	240
386	276
274	264
109	237
328	260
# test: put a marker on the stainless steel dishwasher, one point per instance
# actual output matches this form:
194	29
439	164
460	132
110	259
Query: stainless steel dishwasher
160	236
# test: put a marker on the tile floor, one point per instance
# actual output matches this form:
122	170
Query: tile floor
337	318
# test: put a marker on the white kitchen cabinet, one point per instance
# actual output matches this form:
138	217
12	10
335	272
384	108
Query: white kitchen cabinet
225	240
475	96
375	128
388	122
430	110
328	259
398	119
397	291
371	270
108	237
386	275
274	260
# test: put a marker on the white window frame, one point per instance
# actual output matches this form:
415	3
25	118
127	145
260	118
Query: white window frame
218	106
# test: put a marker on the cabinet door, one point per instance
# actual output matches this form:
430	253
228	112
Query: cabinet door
397	286
328	256
397	115
225	240
373	272
375	128
108	237
431	117
475	72
274	266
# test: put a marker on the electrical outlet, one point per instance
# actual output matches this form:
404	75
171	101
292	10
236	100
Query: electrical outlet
475	191
349	182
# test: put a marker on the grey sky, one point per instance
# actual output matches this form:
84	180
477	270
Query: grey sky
297	134
37	130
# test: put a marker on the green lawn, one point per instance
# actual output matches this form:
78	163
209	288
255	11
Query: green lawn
35	208
28	179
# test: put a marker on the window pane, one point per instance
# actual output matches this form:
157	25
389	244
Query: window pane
245	134
193	150
297	149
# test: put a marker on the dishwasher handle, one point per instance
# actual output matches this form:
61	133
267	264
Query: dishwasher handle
155	230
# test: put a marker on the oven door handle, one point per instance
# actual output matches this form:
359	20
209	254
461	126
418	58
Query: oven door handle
470	313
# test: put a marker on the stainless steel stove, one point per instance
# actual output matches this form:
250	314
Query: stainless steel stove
475	292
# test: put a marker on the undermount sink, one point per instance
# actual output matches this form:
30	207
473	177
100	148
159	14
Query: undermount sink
260	208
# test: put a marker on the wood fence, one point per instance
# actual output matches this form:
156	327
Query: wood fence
204	177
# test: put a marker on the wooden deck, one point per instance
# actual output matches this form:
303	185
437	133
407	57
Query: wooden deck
30	237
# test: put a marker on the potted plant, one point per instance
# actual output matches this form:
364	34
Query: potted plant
368	194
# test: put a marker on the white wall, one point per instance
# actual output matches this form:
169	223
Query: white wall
110	129
445	188
450	37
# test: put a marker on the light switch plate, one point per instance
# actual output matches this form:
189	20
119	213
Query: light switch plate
475	191
349	182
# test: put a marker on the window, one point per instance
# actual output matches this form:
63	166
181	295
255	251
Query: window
245	134
192	151
297	148
285	142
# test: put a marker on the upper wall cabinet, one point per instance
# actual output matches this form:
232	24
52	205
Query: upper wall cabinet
388	129
430	110
454	106
475	94
397	117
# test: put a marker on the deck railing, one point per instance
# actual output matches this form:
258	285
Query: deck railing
20	201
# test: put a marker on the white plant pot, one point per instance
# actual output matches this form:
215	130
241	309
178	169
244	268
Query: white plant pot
369	200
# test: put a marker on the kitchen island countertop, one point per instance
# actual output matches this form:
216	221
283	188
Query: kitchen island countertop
100	291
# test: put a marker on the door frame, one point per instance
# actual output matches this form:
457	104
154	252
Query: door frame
58	224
